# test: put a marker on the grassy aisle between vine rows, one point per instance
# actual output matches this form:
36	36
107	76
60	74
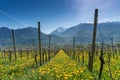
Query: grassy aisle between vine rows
61	67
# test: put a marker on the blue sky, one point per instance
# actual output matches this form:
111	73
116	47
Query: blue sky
55	13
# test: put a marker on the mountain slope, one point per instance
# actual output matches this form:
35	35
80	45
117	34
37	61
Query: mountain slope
75	29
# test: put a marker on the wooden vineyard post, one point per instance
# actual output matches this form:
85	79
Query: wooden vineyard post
43	56
102	61
46	57
49	48
14	44
116	53
10	55
109	60
82	57
78	56
96	54
55	50
74	47
112	42
112	46
91	56
39	39
35	57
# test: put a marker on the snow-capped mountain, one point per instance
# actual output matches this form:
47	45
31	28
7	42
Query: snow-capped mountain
58	31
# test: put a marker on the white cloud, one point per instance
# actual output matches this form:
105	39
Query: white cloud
86	5
85	8
108	3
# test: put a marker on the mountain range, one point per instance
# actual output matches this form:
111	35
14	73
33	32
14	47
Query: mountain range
25	36
82	33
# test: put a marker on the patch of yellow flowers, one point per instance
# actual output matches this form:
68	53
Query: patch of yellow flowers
61	67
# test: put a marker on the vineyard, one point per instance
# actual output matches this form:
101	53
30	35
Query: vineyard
60	67
84	61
